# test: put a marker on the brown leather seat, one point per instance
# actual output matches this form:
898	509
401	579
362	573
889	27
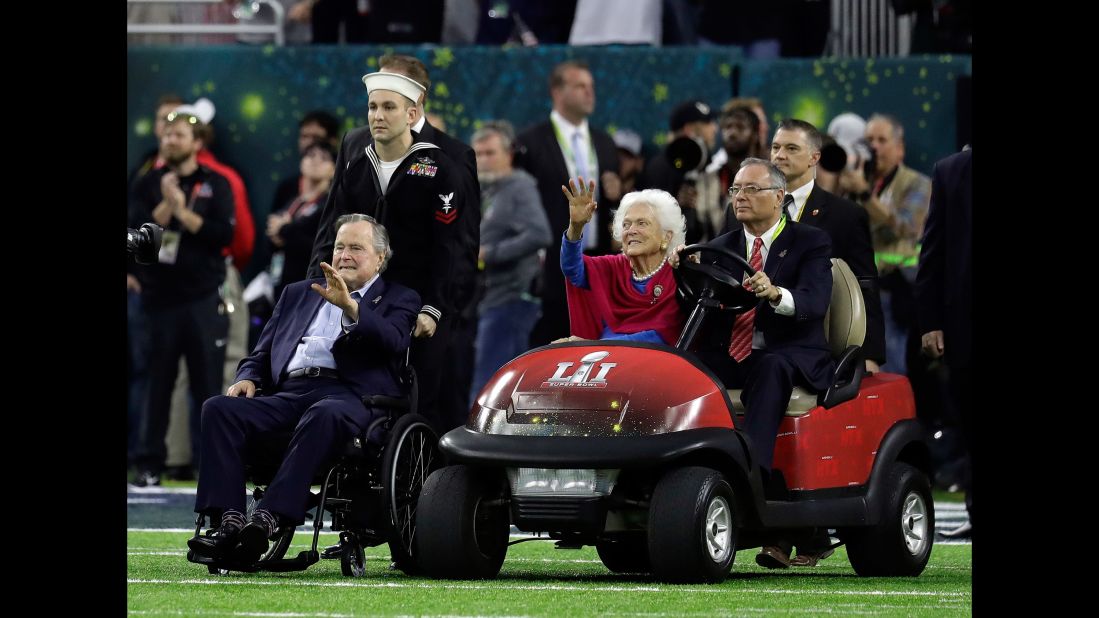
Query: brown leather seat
844	326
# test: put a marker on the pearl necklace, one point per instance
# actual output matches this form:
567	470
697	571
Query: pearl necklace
645	277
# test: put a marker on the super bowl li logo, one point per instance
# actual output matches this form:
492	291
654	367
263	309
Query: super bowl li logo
579	378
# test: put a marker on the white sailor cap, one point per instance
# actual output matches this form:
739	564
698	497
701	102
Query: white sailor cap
409	88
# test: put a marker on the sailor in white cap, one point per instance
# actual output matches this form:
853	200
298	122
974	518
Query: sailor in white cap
452	410
412	188
392	99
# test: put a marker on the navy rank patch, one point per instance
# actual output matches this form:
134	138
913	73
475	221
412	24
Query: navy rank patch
446	213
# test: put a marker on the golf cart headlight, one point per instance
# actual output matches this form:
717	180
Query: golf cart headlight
561	481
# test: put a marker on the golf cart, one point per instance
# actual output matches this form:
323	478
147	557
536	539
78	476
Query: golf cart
635	448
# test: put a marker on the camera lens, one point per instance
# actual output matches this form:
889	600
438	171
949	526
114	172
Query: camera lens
144	243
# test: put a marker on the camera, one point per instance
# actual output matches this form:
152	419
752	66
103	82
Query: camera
687	154
833	158
144	243
870	167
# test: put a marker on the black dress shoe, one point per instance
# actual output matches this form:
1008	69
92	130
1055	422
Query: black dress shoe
964	531
253	543
216	544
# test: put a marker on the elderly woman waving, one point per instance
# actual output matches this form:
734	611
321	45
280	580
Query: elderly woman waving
629	296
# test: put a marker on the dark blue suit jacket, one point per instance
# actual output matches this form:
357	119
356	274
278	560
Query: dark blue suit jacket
848	226
367	357
944	281
799	262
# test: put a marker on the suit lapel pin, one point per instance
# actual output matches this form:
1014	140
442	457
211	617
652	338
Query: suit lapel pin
782	253
816	211
378	299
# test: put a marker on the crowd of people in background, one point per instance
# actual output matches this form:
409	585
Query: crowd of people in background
192	318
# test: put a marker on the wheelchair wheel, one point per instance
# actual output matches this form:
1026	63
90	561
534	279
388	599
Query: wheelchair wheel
411	454
352	556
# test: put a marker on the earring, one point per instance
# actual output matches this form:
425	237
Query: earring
663	246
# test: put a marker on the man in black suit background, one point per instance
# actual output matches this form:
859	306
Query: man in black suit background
564	147
944	293
795	150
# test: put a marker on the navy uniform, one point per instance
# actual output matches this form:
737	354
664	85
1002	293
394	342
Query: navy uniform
423	210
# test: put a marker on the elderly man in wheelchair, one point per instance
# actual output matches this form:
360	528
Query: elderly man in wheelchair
330	363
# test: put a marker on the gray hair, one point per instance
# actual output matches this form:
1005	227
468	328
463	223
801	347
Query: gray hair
898	128
503	128
778	179
381	237
666	208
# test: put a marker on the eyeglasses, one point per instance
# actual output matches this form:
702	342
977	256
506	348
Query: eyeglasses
749	189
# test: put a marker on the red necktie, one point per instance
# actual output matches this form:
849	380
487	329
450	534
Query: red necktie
740	344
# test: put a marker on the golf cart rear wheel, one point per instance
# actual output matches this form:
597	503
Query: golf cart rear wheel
900	544
462	524
627	553
692	526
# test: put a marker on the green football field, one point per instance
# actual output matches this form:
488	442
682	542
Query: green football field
536	580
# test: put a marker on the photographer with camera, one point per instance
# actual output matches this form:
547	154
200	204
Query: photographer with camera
680	169
179	291
896	198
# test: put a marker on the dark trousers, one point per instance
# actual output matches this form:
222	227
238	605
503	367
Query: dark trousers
198	331
429	359
767	379
454	386
323	413
137	335
961	391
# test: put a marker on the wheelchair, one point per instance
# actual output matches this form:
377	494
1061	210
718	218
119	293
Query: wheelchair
371	490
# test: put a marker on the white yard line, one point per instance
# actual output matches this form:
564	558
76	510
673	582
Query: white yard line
498	585
195	613
161	490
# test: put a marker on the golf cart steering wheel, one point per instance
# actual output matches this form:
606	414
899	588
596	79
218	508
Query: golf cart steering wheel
694	280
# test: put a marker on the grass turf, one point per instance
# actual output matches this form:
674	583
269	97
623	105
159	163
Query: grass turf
536	580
